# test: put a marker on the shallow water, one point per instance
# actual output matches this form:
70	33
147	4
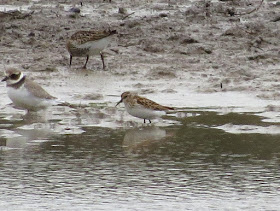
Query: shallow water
191	164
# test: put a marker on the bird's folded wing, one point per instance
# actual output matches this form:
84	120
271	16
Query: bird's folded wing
37	90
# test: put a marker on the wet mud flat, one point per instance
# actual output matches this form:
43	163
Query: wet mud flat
189	45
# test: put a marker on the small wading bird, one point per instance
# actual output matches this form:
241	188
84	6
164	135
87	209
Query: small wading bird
87	43
142	107
26	93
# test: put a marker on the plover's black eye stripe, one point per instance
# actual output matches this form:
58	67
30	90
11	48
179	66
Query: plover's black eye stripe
14	76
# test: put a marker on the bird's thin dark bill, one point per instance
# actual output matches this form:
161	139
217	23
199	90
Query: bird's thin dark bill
4	79
118	103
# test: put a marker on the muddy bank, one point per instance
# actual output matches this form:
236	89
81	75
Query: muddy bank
163	48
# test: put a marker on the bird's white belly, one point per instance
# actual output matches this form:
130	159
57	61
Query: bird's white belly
144	113
95	47
24	99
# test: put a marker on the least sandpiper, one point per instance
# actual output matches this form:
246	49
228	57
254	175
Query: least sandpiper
142	107
26	93
87	43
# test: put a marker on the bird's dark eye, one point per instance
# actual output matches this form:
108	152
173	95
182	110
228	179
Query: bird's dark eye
14	76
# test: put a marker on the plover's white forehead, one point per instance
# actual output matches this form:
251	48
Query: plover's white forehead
12	71
13	76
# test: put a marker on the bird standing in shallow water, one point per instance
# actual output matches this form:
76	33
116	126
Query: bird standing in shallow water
87	43
26	93
142	107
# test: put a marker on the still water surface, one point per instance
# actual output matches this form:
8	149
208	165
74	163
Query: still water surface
192	165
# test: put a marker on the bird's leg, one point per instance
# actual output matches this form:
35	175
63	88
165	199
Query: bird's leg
102	58
85	66
144	121
70	60
150	121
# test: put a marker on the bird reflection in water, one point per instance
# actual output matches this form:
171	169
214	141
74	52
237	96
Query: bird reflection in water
32	129
144	139
22	137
